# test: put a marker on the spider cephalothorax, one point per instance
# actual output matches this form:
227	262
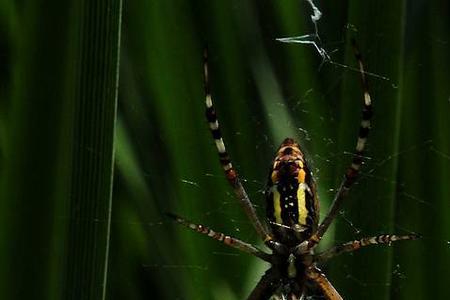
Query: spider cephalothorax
291	229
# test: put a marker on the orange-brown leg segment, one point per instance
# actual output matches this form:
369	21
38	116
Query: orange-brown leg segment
318	279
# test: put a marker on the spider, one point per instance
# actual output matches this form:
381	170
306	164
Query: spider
292	229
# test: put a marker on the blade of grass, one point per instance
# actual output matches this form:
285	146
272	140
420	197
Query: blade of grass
56	183
96	51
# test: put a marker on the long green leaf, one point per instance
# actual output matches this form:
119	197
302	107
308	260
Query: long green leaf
58	151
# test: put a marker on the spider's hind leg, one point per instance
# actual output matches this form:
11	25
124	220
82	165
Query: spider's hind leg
225	159
353	170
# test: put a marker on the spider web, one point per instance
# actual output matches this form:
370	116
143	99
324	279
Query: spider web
314	40
226	207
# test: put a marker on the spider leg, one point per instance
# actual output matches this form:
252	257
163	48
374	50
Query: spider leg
353	170
225	160
266	286
321	282
227	240
357	244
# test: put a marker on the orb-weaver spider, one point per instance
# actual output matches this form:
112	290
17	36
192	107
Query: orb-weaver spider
292	213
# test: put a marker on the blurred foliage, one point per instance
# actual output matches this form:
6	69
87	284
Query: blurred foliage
264	90
58	108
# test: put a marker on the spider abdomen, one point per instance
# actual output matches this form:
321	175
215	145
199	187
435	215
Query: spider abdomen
291	196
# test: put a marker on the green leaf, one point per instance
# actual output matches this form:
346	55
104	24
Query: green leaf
56	180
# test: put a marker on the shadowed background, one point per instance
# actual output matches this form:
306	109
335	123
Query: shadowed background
56	145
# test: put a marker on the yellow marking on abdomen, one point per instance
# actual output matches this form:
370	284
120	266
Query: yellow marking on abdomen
277	205
301	201
301	176
274	176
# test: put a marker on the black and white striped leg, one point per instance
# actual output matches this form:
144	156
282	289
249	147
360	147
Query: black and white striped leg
227	240
266	286
353	170
357	244
225	160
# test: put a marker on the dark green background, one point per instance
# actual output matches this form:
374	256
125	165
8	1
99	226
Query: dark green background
58	70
